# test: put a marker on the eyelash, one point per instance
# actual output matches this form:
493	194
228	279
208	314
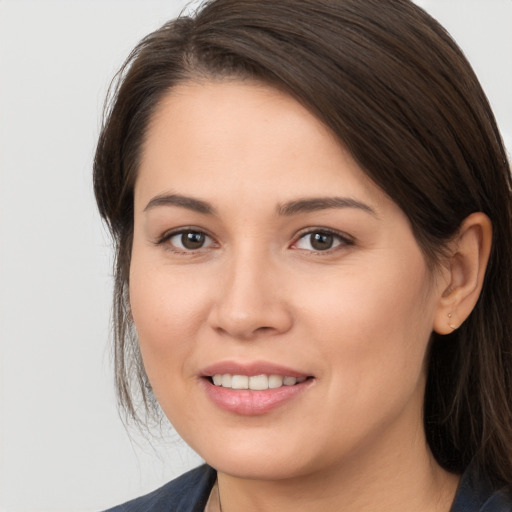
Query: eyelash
166	238
340	240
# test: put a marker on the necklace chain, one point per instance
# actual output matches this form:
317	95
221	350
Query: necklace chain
218	497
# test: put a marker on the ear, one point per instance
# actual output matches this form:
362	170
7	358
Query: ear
469	254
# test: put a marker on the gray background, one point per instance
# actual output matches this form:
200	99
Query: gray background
62	445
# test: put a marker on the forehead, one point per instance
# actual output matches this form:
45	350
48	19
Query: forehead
217	136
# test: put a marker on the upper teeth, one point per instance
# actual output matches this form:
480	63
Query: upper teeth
256	382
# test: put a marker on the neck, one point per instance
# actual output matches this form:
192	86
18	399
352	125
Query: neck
400	479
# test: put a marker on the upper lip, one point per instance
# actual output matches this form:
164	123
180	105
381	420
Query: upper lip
251	369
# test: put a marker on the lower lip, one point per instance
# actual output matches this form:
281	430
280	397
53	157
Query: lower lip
253	403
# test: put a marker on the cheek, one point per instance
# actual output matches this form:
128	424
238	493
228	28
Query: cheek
166	309
373	327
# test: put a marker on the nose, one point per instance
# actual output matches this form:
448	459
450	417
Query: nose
251	301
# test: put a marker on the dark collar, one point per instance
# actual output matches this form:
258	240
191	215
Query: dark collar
189	493
476	494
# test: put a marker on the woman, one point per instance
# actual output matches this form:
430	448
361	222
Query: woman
311	206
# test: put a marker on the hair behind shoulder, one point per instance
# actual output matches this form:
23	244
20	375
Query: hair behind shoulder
400	95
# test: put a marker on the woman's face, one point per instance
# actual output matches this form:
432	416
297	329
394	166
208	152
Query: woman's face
262	250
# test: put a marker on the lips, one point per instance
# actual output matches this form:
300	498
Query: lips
251	369
254	388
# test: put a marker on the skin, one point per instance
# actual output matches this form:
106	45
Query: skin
357	318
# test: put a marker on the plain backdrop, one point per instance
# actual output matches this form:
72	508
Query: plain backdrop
62	444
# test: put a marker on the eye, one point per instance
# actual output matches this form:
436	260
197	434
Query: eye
321	241
187	240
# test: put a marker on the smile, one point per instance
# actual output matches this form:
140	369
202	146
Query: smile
255	382
248	392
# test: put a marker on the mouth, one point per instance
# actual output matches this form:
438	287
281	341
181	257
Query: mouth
253	389
254	382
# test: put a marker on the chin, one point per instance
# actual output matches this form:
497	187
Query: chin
255	459
269	468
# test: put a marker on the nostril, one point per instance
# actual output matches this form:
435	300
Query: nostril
264	329
248	334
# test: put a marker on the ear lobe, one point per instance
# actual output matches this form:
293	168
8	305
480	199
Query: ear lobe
470	251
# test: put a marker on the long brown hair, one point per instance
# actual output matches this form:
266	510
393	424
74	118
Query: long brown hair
397	90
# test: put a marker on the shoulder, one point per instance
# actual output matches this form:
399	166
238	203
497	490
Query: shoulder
477	494
187	493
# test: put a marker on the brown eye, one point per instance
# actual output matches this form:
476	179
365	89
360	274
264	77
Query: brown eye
321	241
318	241
190	240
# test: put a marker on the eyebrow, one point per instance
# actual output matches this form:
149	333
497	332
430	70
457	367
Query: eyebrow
287	209
189	203
322	203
